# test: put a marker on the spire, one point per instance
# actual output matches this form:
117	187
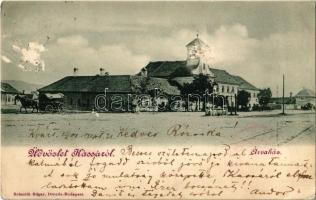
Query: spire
196	41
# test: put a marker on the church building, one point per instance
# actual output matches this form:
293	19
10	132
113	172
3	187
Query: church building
198	62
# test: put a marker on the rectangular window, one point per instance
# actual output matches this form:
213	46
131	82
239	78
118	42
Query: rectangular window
227	89
223	89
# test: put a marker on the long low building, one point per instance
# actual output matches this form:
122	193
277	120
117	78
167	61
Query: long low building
228	84
163	77
304	99
90	92
8	94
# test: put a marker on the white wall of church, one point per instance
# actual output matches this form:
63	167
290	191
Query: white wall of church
253	97
227	89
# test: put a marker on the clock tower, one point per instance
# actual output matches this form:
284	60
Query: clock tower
197	52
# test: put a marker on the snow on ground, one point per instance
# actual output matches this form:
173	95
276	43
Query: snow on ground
189	128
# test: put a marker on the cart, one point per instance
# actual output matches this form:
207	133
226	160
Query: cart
51	102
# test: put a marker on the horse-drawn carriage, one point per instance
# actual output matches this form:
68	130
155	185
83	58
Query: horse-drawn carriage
51	102
44	102
27	101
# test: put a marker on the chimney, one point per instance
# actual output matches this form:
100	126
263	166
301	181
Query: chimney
101	71
75	71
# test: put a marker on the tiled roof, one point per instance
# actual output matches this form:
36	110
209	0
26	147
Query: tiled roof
165	68
196	41
7	88
221	76
245	85
116	84
171	69
305	93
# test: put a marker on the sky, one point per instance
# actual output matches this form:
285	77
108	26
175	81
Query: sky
43	41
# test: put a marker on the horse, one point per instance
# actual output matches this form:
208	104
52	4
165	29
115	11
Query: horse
27	103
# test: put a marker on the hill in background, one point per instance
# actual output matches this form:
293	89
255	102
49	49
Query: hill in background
23	86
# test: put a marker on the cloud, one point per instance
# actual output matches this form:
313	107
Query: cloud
291	54
120	60
230	44
168	47
75	51
31	56
73	40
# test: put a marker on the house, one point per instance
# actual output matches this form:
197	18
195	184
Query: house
80	92
277	103
253	91
8	94
299	101
107	92
304	97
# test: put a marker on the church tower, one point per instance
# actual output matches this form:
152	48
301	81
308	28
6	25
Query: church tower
197	52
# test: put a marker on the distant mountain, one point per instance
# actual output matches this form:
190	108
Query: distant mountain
23	86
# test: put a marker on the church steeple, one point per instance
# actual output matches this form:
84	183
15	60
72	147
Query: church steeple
196	55
195	48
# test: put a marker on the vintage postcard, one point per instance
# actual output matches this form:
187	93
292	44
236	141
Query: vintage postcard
157	100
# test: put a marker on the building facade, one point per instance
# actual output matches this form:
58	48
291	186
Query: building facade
8	94
115	93
198	62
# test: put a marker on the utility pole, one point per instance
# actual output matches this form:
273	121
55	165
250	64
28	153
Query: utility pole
236	105
283	97
231	104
